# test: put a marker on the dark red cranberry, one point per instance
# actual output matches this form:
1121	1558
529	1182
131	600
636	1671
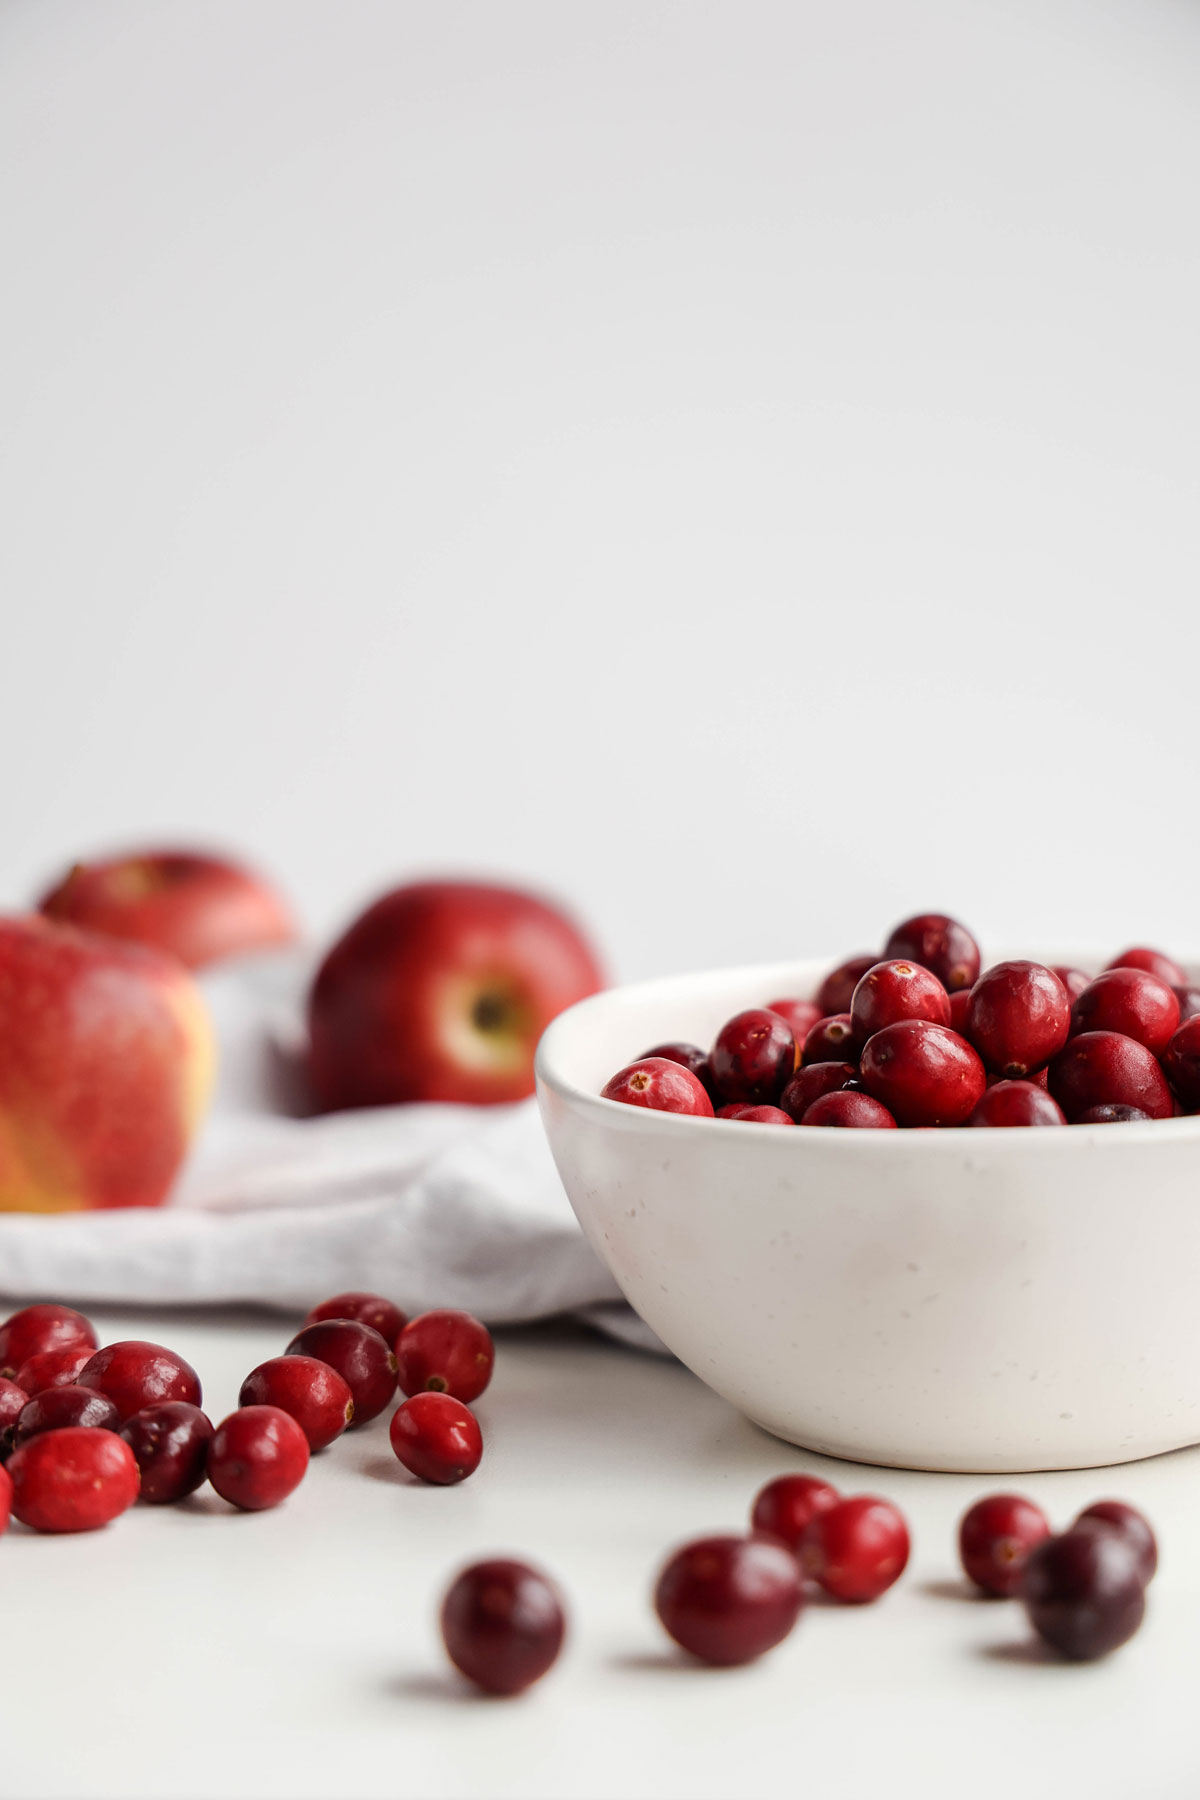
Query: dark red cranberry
851	1111
856	1549
1083	1592
1112	1115
52	1368
753	1058
1074	980
801	1015
503	1625
1017	1103
1181	1060
808	1084
924	1074
445	1352
1102	1068
689	1056
1165	967
757	1115
960	1001
313	1393
1189	1002
13	1400
995	1538
1131	1001
1039	1078
170	1445
727	1600
258	1456
892	991
1019	1017
360	1356
134	1374
366	1309
1129	1523
76	1479
837	990
786	1507
57	1407
6	1495
832	1040
437	1438
660	1085
43	1327
939	944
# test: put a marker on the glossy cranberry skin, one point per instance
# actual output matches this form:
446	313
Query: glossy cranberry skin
437	1438
1181	1060
801	1015
366	1309
837	990
892	991
13	1400
76	1479
924	1074
170	1446
43	1327
1017	1103
503	1625
832	1040
849	1111
856	1549
52	1368
1112	1115
1102	1068
359	1355
786	1507
57	1407
257	1457
811	1082
1131	1001
727	1600
1189	1002
6	1494
1074	980
661	1085
1083	1592
689	1056
995	1538
753	1058
445	1352
1129	1523
134	1374
757	1115
939	944
1019	1017
313	1393
1154	961
960	1001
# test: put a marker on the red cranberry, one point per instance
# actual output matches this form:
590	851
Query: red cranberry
1102	1068
832	1040
1112	1115
1038	1077
13	1400
170	1445
689	1056
801	1015
6	1494
367	1309
727	1600
1181	1060
1019	1017
939	944
785	1508
445	1352
924	1074
1189	1002
1083	1592
753	1058
960	1001
1129	1523
57	1407
257	1457
76	1479
502	1625
661	1085
42	1327
1131	1001
892	991
757	1115
360	1356
808	1084
134	1374
1017	1103
850	1110
856	1549
837	990
313	1393
437	1438
1165	967
1074	980
995	1538
52	1368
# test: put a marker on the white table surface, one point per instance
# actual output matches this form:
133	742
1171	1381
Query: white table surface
193	1651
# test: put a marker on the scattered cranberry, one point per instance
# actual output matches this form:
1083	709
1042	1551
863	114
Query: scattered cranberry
1083	1592
42	1327
856	1549
1181	1060
502	1625
832	1040
753	1058
689	1056
437	1438
445	1352
1129	1523
13	1400
1017	1103
6	1494
134	1374
727	1600
1189	1002
313	1393
810	1083
76	1479
786	1507
1102	1068
960	1002
1165	967
258	1456
756	1115
837	990
851	1111
660	1085
170	1445
995	1538
360	1356
366	1309
57	1407
52	1368
892	991
1131	1001
924	1074
1112	1115
1074	980
1019	1017
939	944
801	1015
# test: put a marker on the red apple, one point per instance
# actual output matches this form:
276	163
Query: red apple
200	908
440	991
106	1061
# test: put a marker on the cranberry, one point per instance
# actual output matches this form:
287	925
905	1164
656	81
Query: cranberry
1129	1523
1181	1060
56	1407
313	1393
808	1084
1083	1592
1019	1017
661	1085
837	990
1189	1002
360	1356
437	1438
1074	980
76	1479
1017	1103
786	1506
960	1001
13	1400
170	1445
502	1625
6	1494
856	1549
924	1074
832	1040
42	1327
753	1058
1038	1077
850	1110
726	1600
367	1309
257	1457
1131	1001
134	1374
1165	967
892	991
757	1115
52	1368
801	1015
445	1352
1102	1068
1112	1115
939	944
689	1056
995	1538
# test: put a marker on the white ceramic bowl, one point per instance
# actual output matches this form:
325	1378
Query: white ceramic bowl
971	1300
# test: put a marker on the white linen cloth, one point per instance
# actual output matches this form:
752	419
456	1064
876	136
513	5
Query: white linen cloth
430	1205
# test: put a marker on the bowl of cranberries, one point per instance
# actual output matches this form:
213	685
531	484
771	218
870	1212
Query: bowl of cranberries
916	1207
